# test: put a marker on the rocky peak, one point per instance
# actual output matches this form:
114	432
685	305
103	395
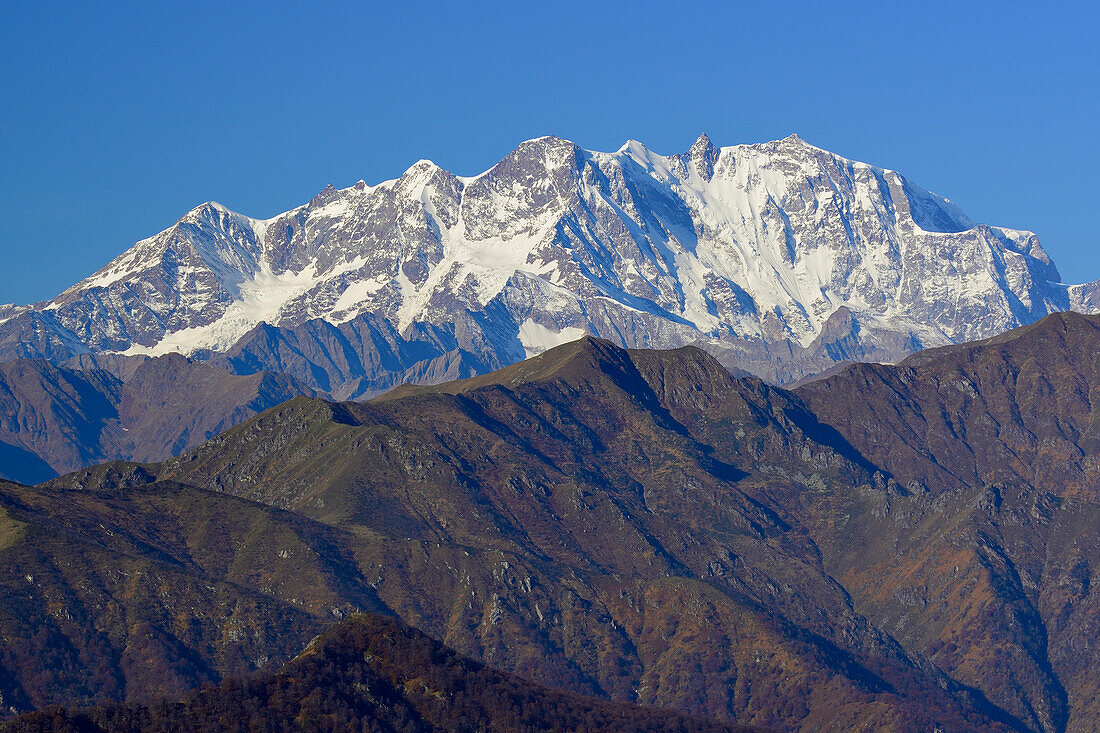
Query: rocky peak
326	195
794	140
703	155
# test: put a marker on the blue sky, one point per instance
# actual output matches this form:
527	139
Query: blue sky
115	120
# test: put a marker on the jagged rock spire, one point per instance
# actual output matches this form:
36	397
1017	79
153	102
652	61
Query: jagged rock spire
703	156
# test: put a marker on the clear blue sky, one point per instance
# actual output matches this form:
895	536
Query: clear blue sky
118	118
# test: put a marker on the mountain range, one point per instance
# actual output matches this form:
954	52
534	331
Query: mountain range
891	547
780	259
583	433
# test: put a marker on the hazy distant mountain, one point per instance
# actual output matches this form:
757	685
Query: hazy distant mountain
56	419
778	257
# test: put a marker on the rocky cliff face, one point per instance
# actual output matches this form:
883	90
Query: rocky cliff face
778	257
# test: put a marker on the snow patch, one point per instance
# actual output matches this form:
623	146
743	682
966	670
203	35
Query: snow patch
355	294
261	299
537	338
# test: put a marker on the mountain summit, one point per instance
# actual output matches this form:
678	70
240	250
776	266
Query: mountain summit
778	257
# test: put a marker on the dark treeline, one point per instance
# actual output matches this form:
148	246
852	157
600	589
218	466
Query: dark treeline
368	674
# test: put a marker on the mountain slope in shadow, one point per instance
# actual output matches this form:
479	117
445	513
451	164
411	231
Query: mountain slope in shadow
372	673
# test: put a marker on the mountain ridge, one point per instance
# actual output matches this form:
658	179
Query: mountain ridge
747	251
376	673
892	546
56	419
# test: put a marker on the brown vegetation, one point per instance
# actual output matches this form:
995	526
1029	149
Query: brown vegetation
888	548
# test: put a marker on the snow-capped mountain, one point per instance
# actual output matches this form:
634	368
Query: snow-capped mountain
780	257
